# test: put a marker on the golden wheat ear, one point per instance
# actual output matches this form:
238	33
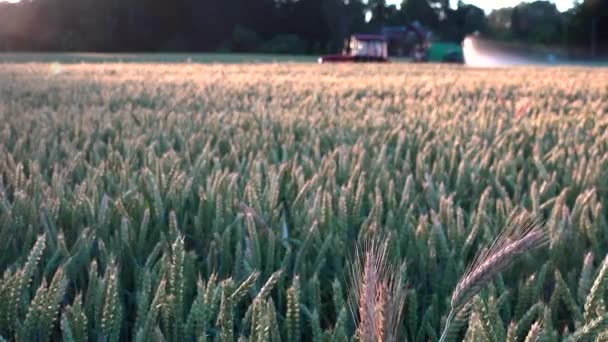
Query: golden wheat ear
523	233
377	293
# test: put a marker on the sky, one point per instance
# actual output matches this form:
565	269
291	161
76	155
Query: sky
489	5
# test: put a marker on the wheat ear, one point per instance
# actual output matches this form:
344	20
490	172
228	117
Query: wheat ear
522	234
378	294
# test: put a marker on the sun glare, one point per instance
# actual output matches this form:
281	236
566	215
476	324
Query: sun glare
477	56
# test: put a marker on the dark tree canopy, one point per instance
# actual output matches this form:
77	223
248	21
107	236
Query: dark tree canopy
285	26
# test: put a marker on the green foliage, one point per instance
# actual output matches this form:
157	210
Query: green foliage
204	203
244	40
284	44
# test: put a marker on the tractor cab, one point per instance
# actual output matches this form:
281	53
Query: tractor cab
369	46
361	48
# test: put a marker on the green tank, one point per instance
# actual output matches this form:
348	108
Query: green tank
445	53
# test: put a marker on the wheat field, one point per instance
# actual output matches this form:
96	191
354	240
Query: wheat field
186	202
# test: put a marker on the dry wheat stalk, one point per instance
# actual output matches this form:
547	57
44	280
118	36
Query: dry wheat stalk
534	333
378	296
522	234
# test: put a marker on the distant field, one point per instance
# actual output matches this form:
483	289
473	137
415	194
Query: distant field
236	58
197	202
150	58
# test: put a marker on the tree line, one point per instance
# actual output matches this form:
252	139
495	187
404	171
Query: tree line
278	26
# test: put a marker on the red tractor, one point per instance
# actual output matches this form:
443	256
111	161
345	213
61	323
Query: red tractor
361	48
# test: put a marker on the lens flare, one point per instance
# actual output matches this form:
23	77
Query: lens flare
484	53
55	68
476	56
